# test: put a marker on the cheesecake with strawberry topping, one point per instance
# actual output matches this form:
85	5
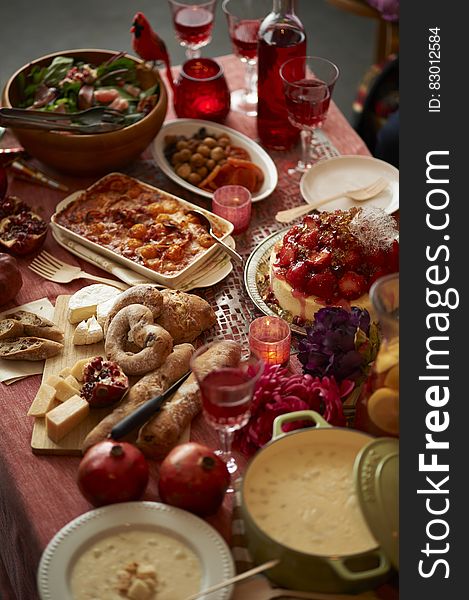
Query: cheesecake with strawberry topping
332	258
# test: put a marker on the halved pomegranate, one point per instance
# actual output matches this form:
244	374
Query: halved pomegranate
104	383
22	233
12	205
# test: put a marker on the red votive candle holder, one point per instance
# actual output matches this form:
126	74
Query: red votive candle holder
270	340
233	203
201	91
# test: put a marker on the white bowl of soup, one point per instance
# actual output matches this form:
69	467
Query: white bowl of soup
300	505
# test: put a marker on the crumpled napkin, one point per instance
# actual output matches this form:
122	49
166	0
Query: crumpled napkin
15	370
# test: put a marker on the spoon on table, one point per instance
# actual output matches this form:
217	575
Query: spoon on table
205	222
227	582
359	195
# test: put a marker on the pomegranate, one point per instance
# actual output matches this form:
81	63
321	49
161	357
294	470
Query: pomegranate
194	478
10	278
112	472
12	205
104	383
21	230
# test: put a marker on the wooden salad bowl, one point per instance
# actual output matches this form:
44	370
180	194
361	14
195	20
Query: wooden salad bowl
80	154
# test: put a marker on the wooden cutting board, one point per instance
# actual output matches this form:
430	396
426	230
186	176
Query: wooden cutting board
70	444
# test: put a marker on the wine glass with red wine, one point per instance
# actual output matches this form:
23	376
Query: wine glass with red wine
193	22
308	82
226	399
244	18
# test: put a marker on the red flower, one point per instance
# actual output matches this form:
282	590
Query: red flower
279	392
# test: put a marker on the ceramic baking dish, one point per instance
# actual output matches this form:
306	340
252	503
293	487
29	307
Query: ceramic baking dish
172	280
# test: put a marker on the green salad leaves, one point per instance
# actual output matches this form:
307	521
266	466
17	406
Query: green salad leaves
57	86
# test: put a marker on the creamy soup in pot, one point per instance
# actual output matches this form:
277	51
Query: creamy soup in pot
305	499
139	565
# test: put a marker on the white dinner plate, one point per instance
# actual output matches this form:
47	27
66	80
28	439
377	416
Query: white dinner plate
57	560
188	127
329	177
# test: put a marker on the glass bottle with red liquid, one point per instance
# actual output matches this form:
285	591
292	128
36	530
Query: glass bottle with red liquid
377	410
281	37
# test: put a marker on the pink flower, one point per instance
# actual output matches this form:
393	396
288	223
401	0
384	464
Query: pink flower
279	392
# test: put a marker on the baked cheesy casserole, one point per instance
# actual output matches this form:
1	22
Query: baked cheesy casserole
139	222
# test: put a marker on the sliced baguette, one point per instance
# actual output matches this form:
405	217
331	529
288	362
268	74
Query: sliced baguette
9	328
28	348
162	432
36	326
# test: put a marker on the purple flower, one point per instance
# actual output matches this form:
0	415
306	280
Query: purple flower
332	347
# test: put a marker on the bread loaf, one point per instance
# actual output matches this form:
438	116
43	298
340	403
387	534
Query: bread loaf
36	326
146	295
185	316
153	342
9	328
149	386
157	437
28	348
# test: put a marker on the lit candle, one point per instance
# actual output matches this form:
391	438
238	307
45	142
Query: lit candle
233	203
270	339
201	91
208	105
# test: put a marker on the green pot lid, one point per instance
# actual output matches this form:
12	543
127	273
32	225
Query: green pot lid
376	473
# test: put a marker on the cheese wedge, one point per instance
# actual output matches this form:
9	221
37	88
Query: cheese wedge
80	335
103	310
95	331
88	332
82	305
65	372
64	391
43	402
79	366
65	417
73	382
53	380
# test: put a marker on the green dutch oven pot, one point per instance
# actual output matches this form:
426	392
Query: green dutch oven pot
299	570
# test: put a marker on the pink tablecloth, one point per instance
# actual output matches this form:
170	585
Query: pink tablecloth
38	494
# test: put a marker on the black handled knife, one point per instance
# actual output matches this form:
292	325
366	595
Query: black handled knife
144	412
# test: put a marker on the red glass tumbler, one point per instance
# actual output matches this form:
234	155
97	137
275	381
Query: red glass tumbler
270	339
201	91
233	203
